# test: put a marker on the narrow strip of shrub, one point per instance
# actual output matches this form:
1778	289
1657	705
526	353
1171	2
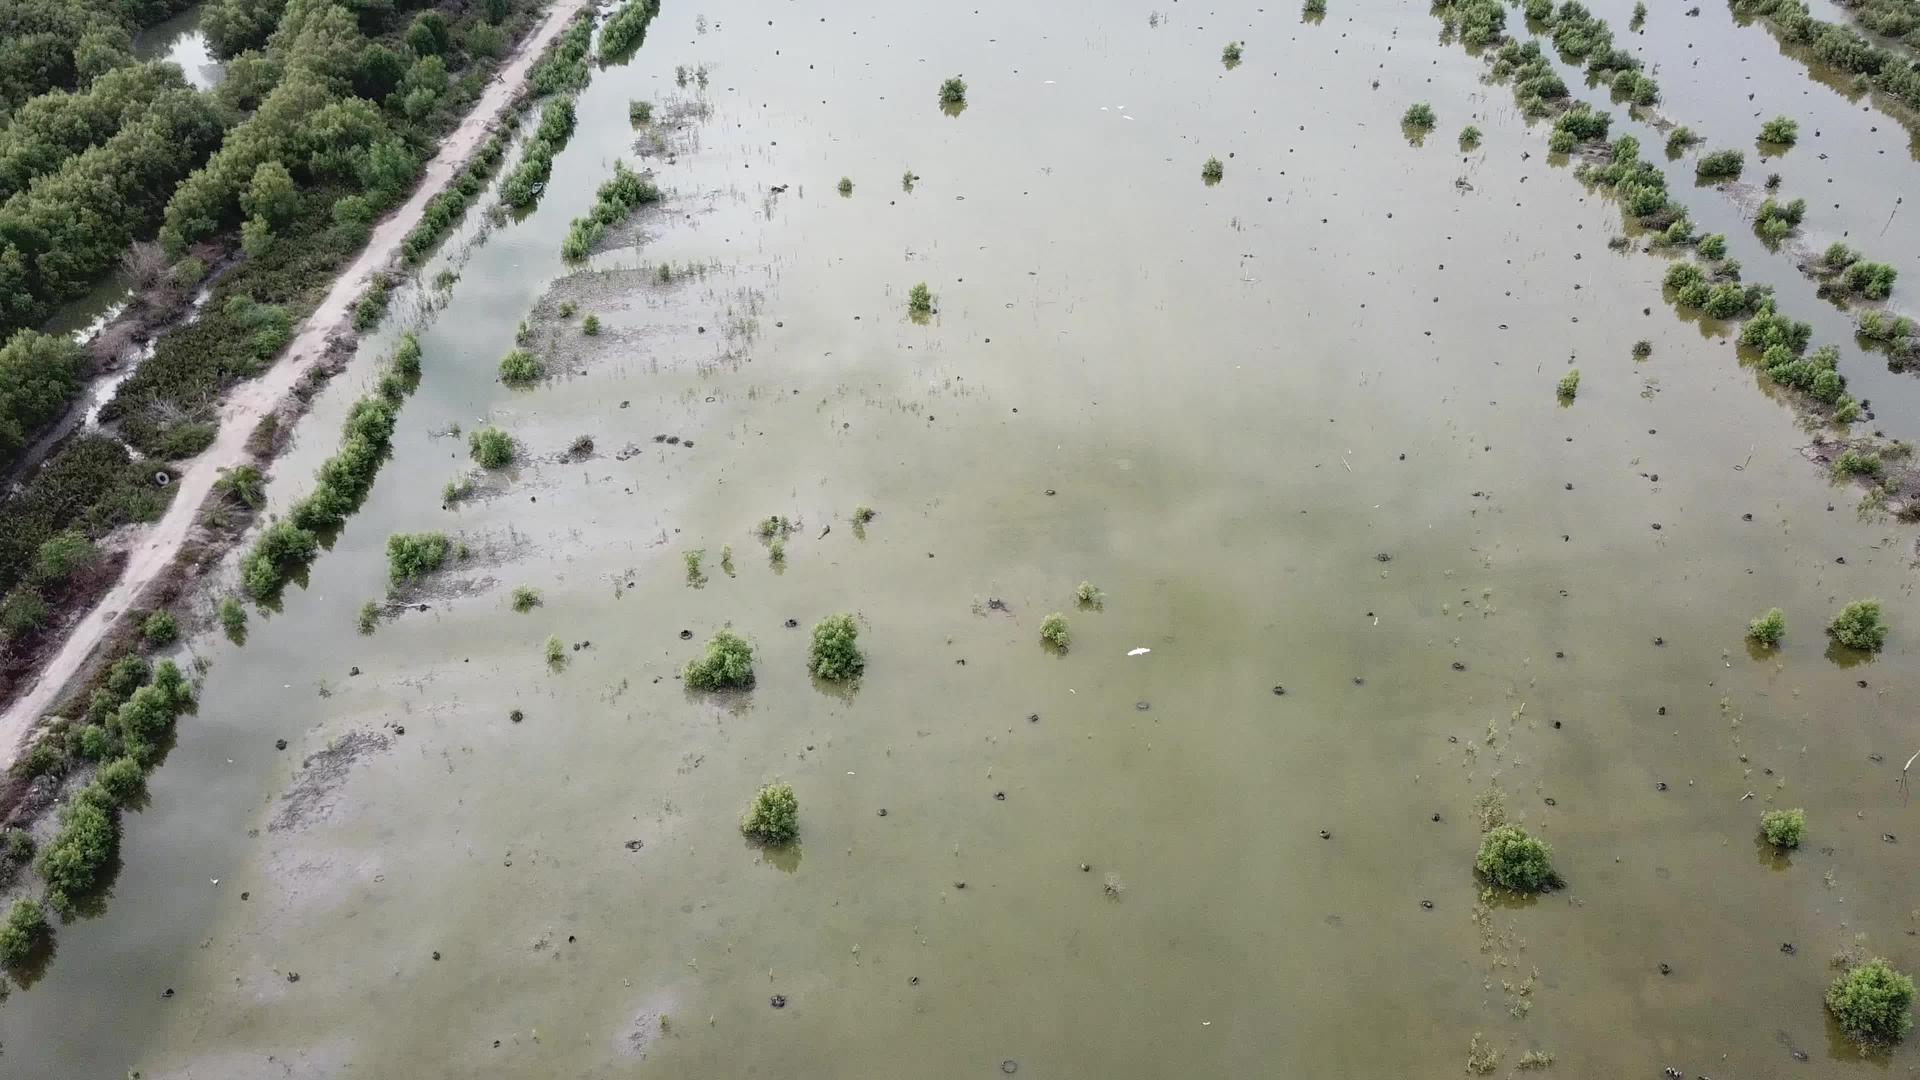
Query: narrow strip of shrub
625	192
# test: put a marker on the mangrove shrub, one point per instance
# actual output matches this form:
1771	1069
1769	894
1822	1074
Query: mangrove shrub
834	654
773	817
726	665
1873	1003
1510	858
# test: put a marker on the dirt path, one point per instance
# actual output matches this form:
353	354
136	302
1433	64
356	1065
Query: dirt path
250	402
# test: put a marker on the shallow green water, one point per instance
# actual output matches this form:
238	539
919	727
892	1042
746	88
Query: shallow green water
1218	385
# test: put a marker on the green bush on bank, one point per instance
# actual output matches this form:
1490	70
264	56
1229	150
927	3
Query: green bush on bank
619	196
834	653
626	30
773	817
413	555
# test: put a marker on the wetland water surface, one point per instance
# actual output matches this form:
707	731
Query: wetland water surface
1299	427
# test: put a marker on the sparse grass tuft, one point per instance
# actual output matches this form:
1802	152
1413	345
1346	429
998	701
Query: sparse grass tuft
773	817
1860	625
726	665
695	576
920	300
1770	628
525	598
639	112
777	550
1053	631
846	185
369	620
1642	349
555	651
862	514
1230	54
834	653
1469	137
233	617
726	559
1783	828
590	325
1088	596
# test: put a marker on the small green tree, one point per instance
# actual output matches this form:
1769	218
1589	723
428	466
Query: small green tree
920	300
491	447
1469	137
1859	626
954	91
233	617
26	924
773	817
1569	385
1053	631
1780	131
590	325
1420	117
1768	629
1719	165
161	628
726	665
411	555
1783	828
1873	1003
1509	857
519	368
834	654
525	598
555	650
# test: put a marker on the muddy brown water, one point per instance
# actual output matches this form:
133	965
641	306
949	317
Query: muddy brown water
1237	406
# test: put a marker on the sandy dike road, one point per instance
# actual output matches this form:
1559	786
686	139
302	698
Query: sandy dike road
250	402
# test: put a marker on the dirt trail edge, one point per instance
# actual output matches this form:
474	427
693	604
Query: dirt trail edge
250	402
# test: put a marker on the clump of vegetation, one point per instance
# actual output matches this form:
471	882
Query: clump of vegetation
555	651
1720	165
1783	828
1768	629
1873	1003
26	925
520	368
525	598
1088	596
695	576
71	863
834	653
456	490
1483	1057
953	91
920	300
568	308
773	525
726	559
639	112
1639	18
906	181
279	553
1859	625
1853	463
525	181
1477	22
1313	8
1230	55
777	550
1512	859
1419	117
626	29
1869	279
1776	221
1569	386
1213	171
412	555
233	617
369	618
773	817
160	629
490	447
1713	246
1469	137
726	665
863	514
1682	139
1780	131
625	192
1053	631
590	325
846	185
1642	349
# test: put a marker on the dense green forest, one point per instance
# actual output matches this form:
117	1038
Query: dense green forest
259	191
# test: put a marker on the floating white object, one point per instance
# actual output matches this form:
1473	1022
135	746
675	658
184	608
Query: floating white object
1138	652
